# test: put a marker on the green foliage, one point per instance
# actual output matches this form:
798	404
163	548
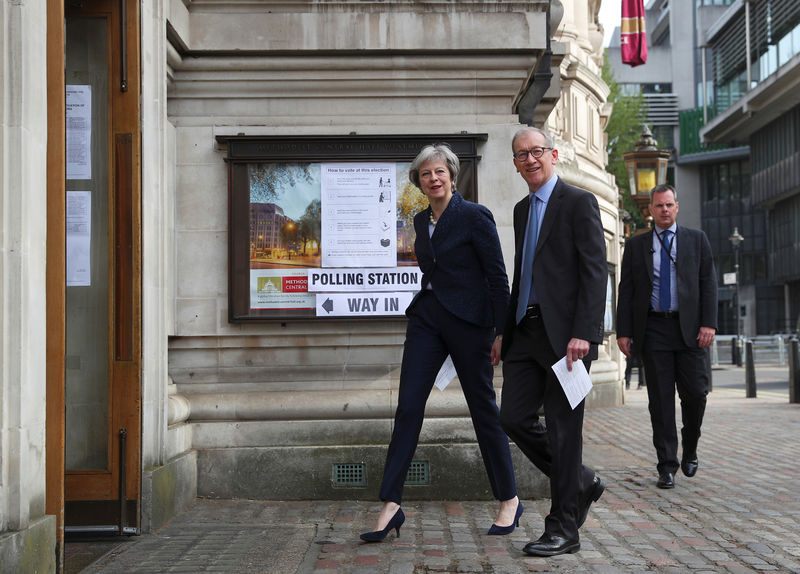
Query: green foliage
623	131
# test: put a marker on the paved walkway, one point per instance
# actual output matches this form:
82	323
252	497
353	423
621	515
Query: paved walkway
740	513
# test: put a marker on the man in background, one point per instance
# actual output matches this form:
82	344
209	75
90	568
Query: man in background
668	307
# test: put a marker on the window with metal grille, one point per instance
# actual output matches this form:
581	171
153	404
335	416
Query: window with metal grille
418	473
349	474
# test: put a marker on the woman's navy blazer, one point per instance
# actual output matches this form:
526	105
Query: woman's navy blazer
463	262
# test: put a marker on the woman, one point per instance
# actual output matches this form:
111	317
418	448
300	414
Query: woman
459	311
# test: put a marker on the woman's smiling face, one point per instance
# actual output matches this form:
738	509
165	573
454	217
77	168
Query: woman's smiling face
434	180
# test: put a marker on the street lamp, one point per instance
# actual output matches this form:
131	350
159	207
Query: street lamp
647	168
736	240
291	237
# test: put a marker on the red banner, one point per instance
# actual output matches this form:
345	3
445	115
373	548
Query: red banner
633	35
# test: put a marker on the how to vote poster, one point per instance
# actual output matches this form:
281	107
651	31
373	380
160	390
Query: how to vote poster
359	216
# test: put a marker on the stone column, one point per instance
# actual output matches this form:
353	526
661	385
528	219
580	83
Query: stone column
26	534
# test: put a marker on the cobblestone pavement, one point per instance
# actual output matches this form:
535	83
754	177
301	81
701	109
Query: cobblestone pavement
740	513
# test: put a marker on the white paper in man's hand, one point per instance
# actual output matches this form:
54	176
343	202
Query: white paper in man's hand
576	383
446	374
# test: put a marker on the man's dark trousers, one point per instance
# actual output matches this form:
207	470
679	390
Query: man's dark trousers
668	363
529	384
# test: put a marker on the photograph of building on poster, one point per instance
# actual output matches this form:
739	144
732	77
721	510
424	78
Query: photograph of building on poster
287	211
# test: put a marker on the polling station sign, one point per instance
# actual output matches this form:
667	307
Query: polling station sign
363	304
366	280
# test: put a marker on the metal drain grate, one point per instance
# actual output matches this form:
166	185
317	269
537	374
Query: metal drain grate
418	473
349	474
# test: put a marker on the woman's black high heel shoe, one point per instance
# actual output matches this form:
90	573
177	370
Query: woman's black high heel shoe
501	530
396	522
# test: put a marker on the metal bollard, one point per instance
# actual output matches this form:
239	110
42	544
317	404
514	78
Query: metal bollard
750	371
794	370
741	357
735	353
714	354
781	352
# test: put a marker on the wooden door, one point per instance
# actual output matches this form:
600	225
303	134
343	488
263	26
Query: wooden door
102	356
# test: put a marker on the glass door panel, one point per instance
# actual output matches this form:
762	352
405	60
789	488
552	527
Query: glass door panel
87	297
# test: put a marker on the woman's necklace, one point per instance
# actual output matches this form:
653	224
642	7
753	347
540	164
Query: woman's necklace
433	219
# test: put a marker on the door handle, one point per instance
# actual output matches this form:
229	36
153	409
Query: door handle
123	48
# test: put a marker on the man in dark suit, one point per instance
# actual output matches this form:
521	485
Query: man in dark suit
557	307
667	312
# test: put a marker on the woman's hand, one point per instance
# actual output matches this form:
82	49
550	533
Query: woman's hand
496	346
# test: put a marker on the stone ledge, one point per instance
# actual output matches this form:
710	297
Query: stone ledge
299	473
168	490
260	32
30	550
209	435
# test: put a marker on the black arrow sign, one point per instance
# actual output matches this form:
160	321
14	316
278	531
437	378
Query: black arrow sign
328	305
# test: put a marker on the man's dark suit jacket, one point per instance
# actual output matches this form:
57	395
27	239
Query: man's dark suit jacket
570	273
697	286
463	262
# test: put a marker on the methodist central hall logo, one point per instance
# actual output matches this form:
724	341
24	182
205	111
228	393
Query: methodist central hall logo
269	284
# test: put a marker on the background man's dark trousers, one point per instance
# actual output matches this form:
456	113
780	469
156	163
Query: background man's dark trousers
670	363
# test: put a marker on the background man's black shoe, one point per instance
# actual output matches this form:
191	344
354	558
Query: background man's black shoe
666	480
592	495
551	545
689	466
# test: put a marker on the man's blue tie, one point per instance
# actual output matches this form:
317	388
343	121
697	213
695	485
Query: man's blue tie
664	293
526	279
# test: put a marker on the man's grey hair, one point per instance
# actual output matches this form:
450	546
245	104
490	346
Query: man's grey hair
548	139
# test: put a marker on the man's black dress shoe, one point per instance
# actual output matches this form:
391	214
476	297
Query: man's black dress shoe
592	495
551	545
666	480
689	466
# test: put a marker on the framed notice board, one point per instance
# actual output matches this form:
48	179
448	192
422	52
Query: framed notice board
322	226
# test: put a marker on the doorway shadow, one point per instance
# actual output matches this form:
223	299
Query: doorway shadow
82	550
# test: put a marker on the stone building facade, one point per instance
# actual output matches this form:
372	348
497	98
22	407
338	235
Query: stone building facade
197	404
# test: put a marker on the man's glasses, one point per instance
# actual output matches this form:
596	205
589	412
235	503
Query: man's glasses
536	152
